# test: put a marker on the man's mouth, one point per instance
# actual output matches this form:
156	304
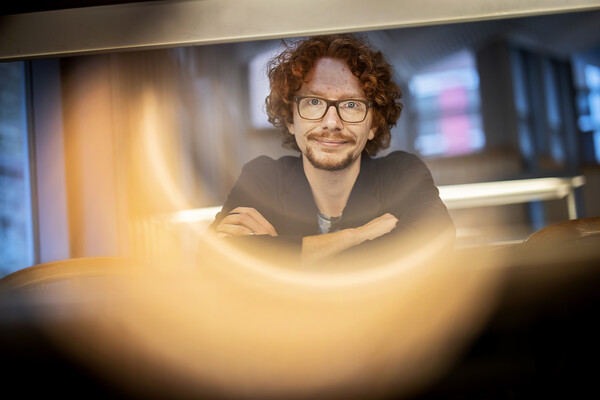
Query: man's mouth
331	142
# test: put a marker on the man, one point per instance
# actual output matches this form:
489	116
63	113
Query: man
334	100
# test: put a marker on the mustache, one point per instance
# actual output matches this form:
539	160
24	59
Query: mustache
336	136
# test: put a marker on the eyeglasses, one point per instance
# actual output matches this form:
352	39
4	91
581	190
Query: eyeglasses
349	110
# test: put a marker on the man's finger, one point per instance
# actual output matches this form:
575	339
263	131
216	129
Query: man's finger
233	230
245	221
259	224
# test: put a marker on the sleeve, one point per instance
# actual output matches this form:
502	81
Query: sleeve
409	193
257	187
252	189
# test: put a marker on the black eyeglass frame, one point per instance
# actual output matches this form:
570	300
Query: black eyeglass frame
333	103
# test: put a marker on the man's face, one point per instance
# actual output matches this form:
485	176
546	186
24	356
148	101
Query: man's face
330	143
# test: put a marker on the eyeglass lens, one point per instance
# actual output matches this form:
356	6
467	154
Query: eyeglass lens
316	108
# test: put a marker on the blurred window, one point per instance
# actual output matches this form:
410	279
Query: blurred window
259	87
16	237
446	107
587	83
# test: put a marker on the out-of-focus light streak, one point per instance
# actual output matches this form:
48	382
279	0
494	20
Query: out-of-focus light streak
155	136
194	215
420	254
227	329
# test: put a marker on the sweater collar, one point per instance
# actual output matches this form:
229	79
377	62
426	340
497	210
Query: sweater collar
302	211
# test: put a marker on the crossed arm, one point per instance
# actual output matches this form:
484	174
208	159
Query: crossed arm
248	221
407	193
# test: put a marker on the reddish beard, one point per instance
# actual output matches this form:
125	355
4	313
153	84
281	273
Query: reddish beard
330	164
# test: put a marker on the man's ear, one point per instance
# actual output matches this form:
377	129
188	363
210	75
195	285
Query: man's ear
372	133
290	128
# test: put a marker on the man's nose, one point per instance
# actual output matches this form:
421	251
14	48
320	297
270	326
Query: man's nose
332	120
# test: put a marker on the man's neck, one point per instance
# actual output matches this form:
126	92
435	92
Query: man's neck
331	189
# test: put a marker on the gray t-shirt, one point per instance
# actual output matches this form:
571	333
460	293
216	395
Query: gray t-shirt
329	224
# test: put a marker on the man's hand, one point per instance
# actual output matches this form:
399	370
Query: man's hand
244	221
318	247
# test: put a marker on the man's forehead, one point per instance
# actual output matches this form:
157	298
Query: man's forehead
331	77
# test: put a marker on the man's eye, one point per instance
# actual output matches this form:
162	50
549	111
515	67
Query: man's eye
314	102
352	105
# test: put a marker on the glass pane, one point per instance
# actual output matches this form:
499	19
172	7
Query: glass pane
446	107
16	249
587	78
258	83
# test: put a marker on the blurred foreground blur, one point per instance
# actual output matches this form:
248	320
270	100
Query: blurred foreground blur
473	323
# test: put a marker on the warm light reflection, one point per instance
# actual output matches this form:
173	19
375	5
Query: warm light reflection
210	318
196	316
194	215
232	328
353	273
156	137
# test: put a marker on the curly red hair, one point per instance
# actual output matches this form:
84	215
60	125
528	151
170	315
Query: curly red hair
287	72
